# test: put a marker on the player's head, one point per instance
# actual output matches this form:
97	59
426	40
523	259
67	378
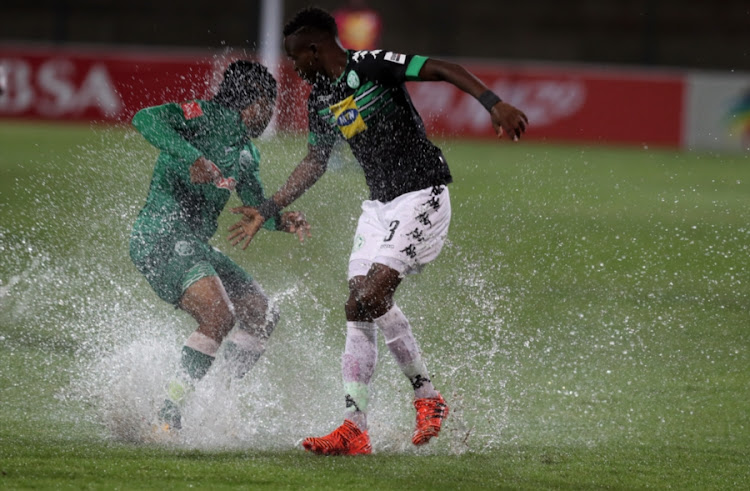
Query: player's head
250	88
307	36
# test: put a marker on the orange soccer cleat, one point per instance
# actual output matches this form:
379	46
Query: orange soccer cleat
347	439
431	411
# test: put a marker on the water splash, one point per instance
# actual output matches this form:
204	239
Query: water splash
75	295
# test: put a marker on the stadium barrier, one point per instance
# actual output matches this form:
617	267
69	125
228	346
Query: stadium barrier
669	108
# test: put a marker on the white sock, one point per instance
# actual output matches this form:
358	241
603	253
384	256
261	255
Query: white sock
204	344
357	366
400	341
243	350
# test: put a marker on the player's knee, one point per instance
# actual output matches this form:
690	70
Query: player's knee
263	321
224	317
352	308
372	301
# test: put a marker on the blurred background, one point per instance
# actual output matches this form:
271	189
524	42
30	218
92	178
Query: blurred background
646	72
681	33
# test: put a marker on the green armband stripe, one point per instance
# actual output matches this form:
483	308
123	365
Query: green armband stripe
416	63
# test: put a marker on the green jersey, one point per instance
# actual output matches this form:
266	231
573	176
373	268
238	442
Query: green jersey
175	206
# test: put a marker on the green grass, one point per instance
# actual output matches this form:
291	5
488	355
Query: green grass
587	321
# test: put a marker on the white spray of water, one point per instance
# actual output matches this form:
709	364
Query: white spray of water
70	295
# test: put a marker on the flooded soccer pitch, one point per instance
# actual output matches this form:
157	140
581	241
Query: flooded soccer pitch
587	297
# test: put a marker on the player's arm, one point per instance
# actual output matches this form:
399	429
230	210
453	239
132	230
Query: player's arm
250	192
302	178
505	117
160	126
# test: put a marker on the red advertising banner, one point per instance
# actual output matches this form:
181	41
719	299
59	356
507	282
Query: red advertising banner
97	85
563	104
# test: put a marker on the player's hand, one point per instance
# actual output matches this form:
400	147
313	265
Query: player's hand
204	171
247	227
294	222
508	119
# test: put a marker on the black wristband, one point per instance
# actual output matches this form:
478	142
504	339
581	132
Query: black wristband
279	224
488	99
268	208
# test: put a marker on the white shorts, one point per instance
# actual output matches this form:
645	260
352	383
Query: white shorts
404	234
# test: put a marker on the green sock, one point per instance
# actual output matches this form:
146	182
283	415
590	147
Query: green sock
357	398
195	363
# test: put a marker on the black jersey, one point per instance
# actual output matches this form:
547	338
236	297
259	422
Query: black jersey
369	106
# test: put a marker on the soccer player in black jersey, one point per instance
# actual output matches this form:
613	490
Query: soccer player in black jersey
361	96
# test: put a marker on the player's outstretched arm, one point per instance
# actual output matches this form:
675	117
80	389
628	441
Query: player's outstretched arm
505	117
307	173
244	230
302	178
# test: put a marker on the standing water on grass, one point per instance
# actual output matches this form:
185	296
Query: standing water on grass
70	292
580	298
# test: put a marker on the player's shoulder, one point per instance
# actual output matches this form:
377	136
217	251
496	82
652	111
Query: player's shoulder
379	65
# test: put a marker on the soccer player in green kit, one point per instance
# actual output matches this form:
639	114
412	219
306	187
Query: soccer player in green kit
361	96
206	153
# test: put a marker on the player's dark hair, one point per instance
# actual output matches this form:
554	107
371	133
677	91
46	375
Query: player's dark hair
312	18
244	82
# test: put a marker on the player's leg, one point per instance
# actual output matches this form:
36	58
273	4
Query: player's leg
429	404
183	274
357	367
255	313
417	227
208	303
374	295
360	354
361	350
359	359
257	317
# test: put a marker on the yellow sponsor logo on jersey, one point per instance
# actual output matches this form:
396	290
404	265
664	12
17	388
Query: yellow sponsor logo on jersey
348	118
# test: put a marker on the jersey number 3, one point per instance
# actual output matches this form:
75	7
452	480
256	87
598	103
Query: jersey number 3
393	226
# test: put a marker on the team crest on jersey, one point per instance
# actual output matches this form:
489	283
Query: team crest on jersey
184	248
191	109
352	80
359	241
348	118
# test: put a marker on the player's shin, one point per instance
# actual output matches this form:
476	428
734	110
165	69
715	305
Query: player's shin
357	367
247	343
198	355
242	351
403	346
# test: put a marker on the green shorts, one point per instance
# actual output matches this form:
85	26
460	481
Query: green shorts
176	262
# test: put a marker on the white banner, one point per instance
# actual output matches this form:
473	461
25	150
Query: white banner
717	112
